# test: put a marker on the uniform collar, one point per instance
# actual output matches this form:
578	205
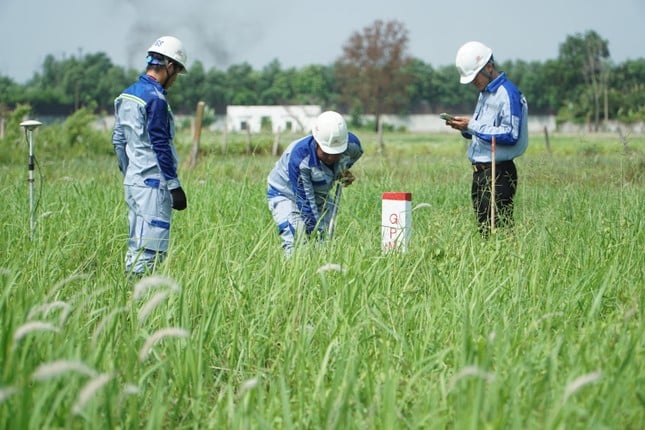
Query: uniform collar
152	81
495	83
313	155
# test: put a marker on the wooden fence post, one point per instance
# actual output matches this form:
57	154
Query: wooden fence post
225	136
546	139
276	143
623	140
381	143
248	139
199	115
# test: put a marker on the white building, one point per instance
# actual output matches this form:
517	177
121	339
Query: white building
275	118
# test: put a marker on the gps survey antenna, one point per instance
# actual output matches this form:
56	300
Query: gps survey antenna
30	126
334	212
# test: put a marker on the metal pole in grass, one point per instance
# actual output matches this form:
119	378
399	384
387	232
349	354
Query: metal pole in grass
492	186
30	126
332	220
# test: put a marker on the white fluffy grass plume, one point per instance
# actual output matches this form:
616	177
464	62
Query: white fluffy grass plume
157	336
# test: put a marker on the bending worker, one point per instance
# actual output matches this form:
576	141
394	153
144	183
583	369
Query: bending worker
501	113
300	183
143	141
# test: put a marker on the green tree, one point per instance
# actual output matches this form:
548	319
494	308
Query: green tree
188	89
9	91
274	84
627	91
374	75
314	84
588	55
451	95
420	91
45	91
113	82
14	134
537	83
216	90
241	82
98	77
91	81
209	86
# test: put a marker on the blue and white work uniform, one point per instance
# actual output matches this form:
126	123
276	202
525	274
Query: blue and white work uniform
501	112
143	142
299	188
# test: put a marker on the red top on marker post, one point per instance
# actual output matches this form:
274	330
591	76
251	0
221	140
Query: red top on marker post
397	196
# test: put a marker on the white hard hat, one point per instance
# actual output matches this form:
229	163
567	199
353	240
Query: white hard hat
170	47
471	58
330	131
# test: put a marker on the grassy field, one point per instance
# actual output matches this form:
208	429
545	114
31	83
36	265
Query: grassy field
538	328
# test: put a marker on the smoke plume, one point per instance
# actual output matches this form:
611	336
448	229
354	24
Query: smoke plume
214	33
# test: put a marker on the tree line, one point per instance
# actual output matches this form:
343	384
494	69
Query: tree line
374	74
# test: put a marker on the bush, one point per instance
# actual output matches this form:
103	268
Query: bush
78	135
15	136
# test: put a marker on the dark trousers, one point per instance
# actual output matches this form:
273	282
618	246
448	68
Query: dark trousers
505	187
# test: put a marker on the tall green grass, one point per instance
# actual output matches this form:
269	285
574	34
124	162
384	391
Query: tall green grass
536	328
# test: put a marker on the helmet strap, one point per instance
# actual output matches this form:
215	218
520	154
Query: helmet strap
169	75
487	74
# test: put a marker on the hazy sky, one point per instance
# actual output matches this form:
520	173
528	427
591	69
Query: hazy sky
297	33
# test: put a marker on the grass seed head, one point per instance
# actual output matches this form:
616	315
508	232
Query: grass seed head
46	308
247	385
470	371
130	390
31	327
157	336
580	382
56	368
6	392
101	326
330	267
151	305
149	282
88	391
60	284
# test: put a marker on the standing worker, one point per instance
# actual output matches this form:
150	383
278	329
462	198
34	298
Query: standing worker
143	142
300	183
501	114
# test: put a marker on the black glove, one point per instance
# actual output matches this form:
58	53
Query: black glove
347	178
178	199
